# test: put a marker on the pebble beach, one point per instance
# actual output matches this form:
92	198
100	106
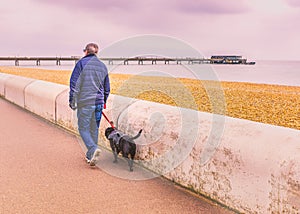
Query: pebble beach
271	104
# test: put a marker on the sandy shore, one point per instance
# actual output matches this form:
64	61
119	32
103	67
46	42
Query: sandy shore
271	104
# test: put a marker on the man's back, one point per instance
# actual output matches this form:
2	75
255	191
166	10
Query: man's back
92	84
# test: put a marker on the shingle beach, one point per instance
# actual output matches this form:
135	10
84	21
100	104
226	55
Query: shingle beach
272	104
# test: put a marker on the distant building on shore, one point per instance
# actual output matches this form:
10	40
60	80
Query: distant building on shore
229	59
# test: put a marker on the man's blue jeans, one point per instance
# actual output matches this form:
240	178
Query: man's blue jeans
88	125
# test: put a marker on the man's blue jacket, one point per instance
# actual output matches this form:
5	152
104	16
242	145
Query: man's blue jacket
89	82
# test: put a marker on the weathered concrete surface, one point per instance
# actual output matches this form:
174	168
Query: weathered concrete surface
255	168
43	171
249	166
168	132
40	98
3	78
65	116
14	89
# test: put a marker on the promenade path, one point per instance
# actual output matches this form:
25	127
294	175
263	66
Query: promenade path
43	171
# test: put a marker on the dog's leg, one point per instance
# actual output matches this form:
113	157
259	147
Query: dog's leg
130	165
129	161
114	150
116	157
132	155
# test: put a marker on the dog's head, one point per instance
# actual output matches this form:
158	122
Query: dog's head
108	131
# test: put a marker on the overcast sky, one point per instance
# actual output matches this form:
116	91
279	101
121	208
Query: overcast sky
256	29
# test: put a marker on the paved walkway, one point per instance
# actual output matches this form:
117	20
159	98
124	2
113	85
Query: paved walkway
43	171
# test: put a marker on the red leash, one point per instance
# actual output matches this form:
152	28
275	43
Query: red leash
112	125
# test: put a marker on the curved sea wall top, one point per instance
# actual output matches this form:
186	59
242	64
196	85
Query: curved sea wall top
250	167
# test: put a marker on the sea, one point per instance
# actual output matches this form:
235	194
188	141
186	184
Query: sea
263	72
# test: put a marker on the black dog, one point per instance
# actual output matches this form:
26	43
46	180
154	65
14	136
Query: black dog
120	142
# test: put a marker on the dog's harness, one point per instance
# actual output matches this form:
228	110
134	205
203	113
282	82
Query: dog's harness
115	136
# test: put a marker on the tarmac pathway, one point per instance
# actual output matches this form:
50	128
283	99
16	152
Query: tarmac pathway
43	171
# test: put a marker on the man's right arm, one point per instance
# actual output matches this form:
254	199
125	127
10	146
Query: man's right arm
74	85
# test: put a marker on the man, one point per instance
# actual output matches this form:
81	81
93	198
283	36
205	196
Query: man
89	90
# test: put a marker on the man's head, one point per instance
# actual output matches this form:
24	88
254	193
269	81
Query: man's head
91	48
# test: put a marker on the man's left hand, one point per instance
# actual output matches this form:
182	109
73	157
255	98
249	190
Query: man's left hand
73	106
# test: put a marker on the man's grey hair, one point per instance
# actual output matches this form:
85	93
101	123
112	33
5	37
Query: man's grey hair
91	48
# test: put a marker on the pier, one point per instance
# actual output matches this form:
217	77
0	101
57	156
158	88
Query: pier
137	60
156	60
38	60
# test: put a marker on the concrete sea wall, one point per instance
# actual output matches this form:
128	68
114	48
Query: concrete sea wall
247	166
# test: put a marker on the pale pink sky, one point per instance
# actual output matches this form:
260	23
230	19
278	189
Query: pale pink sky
256	29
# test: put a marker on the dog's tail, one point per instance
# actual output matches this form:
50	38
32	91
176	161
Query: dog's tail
137	136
